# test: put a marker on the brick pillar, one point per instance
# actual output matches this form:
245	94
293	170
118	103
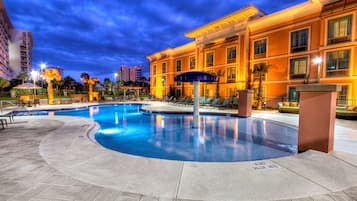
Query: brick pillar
245	103
317	116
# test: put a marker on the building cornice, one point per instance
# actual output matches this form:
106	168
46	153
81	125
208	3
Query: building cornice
241	15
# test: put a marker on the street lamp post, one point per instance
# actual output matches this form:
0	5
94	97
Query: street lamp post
164	88
34	75
115	82
318	61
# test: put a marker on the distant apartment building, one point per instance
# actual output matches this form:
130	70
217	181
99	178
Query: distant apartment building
5	36
15	47
286	42
20	49
130	73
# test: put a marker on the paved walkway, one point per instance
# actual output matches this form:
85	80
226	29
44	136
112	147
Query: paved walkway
52	158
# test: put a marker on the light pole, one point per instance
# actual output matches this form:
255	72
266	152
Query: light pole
34	75
115	82
164	88
318	60
43	66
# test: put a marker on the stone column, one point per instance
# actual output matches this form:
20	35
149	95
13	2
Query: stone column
196	106
245	103
317	116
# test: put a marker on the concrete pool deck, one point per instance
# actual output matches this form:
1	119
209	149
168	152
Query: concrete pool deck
52	158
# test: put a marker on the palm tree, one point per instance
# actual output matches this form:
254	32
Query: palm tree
219	74
259	71
108	84
23	77
3	83
85	78
68	82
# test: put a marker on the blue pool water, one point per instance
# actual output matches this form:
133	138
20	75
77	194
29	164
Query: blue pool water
126	129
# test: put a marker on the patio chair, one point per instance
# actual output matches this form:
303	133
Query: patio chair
188	101
202	100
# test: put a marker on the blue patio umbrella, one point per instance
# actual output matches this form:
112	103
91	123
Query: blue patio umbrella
196	77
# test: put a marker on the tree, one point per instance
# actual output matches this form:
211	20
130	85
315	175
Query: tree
259	71
85	78
69	82
4	83
108	84
23	77
219	74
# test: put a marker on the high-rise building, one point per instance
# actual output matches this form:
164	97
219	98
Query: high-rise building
15	47
130	73
20	49
285	43
5	36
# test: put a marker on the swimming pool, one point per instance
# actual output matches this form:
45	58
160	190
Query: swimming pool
126	129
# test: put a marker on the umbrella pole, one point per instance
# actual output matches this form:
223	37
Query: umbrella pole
196	106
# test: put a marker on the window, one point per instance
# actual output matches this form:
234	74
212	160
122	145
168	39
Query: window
260	48
293	95
231	74
209	59
339	30
298	68
342	96
338	63
192	62
178	83
178	65
154	82
299	40
231	55
163	68
154	69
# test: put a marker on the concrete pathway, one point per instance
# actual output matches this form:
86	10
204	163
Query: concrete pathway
54	158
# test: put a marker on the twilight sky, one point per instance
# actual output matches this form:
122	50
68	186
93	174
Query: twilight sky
98	36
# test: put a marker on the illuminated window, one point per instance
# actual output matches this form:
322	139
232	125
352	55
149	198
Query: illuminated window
298	68
299	40
231	74
209	59
260	48
154	69
192	62
178	65
163	68
338	63
340	29
231	55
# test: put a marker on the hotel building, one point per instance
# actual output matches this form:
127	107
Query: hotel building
286	42
130	73
5	36
20	49
15	47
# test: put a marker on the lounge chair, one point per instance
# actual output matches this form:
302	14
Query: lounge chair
208	101
9	115
235	102
215	102
3	122
224	104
